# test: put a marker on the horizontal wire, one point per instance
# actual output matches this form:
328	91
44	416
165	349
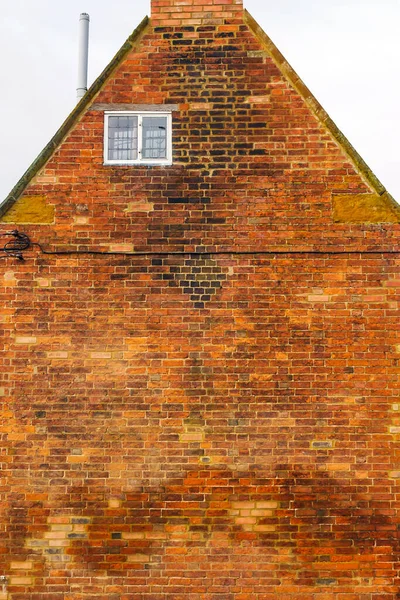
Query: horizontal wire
22	242
213	252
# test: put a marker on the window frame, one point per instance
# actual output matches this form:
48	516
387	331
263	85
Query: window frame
140	115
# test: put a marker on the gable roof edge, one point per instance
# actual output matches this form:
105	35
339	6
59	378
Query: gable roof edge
72	118
318	110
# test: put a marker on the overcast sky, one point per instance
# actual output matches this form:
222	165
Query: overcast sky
346	51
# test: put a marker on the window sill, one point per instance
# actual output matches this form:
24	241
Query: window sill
142	163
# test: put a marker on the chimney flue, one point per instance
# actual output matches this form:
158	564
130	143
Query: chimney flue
178	13
83	55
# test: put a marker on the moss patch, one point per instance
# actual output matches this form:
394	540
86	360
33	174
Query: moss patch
29	209
365	208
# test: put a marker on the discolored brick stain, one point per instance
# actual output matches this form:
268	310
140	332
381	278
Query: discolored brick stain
29	209
215	516
365	208
199	278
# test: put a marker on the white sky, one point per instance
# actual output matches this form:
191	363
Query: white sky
346	51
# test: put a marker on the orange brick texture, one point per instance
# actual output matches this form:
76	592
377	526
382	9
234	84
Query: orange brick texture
218	417
178	13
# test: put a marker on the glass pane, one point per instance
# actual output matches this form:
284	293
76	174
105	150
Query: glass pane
122	138
154	137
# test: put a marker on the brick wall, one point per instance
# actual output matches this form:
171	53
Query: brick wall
216	417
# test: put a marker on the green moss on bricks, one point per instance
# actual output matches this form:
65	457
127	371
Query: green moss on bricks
365	208
29	209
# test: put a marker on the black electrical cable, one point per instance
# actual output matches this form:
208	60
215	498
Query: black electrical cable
213	253
16	246
22	242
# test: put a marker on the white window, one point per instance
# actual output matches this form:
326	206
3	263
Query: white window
132	138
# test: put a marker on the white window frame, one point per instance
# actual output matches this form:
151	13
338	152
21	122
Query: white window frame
139	161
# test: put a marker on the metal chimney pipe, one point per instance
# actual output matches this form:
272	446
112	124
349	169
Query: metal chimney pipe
83	55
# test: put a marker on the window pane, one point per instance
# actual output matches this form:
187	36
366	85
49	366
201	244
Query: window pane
154	137
122	138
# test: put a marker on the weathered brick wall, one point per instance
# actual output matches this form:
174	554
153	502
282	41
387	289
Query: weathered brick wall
218	417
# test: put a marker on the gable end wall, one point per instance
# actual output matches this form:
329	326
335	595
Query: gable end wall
199	375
